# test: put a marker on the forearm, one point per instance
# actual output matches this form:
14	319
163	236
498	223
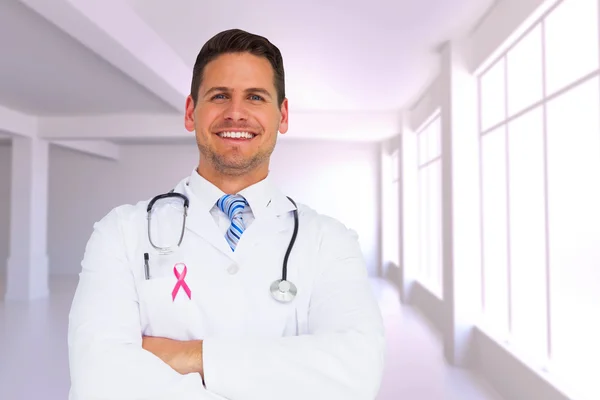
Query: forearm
334	366
185	357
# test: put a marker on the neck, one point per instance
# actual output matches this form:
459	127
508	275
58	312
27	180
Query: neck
232	183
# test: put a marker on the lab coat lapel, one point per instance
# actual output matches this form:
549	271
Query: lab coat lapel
201	223
263	229
270	227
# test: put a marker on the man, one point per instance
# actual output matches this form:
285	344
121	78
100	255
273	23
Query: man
222	335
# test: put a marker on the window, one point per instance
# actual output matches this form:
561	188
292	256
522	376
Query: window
571	36
526	234
493	93
524	69
430	205
540	195
574	232
495	231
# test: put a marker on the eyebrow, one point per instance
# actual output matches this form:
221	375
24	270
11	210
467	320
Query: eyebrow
217	89
259	90
265	92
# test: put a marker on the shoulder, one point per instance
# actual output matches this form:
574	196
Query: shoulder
115	234
121	217
327	228
125	214
334	243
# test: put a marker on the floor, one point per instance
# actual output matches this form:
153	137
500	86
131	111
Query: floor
416	369
34	364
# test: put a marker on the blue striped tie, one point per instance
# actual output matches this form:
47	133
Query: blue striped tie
233	205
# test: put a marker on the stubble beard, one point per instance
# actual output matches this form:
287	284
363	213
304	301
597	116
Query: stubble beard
234	164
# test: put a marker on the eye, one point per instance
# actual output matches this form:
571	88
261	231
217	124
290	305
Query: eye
219	96
256	97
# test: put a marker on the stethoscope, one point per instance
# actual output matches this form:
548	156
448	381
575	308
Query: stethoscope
282	289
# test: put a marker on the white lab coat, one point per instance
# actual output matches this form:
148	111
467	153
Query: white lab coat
327	344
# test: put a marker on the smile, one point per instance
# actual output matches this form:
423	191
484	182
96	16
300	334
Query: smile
236	135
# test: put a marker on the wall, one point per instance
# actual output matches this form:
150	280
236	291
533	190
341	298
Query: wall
332	177
454	316
337	179
5	167
391	215
510	376
426	106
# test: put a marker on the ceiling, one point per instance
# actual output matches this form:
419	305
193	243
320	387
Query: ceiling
338	54
74	58
44	71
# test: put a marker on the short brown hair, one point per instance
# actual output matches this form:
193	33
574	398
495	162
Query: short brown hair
239	41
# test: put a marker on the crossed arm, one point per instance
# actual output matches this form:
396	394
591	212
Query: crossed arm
185	357
340	358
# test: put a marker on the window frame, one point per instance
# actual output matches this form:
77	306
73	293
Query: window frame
503	125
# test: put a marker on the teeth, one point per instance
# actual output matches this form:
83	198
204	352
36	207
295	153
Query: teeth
236	135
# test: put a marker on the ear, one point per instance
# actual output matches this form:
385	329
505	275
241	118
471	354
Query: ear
283	123
189	114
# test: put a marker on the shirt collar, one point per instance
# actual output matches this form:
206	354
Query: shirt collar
205	192
263	197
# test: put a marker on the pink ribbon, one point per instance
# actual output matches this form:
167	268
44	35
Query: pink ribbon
181	281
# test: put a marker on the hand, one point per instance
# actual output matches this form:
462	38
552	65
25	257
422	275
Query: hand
184	357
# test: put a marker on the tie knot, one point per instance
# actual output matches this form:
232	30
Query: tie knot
232	205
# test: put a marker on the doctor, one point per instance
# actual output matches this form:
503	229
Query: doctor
203	321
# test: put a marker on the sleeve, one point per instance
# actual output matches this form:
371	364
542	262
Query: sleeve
106	357
342	355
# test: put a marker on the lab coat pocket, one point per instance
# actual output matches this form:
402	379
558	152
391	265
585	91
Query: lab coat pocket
302	319
298	323
162	315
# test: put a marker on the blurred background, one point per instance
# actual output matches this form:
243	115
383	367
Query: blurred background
459	138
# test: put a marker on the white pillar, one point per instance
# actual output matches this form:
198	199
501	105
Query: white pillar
460	211
27	267
409	200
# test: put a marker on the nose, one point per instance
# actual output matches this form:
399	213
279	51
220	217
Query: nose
236	110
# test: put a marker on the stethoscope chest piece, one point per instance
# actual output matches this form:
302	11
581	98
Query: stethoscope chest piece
283	291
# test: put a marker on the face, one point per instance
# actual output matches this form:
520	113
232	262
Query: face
237	116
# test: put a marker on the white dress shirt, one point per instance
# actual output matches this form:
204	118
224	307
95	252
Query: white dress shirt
257	196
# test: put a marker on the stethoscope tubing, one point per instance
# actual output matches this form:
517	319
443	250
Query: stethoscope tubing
282	295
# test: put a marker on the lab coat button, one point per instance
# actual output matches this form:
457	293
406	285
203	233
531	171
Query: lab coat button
233	269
